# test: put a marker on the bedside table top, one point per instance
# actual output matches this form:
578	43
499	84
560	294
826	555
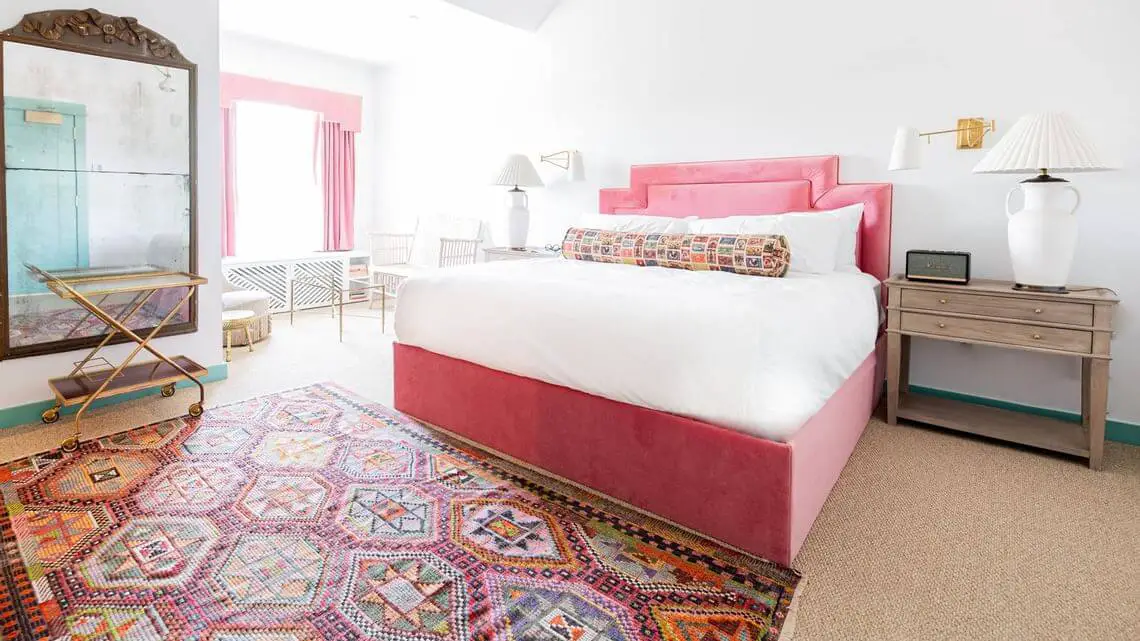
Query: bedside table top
987	286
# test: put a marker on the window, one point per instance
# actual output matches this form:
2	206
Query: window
279	197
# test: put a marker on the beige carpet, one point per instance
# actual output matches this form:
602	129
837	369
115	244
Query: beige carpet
928	535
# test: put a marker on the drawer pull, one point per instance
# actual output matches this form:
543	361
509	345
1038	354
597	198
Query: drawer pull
942	301
1037	337
941	325
1038	311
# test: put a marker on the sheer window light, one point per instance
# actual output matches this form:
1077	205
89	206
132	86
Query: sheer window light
279	210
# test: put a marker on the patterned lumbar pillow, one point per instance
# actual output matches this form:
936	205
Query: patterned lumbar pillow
751	255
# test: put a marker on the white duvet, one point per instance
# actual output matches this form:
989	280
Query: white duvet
760	355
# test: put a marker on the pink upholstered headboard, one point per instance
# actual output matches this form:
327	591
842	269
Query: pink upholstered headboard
755	187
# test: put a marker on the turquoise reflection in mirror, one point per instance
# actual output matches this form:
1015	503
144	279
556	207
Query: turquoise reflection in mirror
97	174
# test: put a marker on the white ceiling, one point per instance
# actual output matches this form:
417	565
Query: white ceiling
383	31
524	14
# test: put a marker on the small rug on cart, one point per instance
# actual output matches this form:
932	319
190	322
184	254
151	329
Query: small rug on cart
313	514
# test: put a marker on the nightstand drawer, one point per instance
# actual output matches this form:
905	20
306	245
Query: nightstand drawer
1068	340
999	307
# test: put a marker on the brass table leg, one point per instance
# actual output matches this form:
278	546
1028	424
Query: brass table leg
72	443
111	334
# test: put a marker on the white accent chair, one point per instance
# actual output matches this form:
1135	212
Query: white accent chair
396	257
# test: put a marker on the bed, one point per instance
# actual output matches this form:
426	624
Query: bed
694	447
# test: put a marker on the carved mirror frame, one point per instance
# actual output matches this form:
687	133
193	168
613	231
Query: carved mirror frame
95	33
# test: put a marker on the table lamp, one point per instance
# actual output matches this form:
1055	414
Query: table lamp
518	172
1043	234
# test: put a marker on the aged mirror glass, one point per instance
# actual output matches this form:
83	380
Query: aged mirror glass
98	173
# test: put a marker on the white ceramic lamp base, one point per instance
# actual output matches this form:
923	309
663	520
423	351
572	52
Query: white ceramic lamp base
518	219
1043	235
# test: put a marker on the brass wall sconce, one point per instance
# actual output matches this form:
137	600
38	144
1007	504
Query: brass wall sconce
569	160
971	132
907	153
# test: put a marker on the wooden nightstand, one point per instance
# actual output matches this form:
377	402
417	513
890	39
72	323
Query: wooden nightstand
988	312
510	253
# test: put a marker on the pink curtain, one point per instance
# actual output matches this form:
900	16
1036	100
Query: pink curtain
338	163
229	182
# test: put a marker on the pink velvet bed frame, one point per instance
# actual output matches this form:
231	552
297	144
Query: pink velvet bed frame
757	495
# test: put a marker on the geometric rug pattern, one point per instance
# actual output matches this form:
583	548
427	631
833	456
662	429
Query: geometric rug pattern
313	514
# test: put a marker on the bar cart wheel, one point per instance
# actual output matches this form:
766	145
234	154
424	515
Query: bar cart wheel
196	410
70	445
168	390
50	415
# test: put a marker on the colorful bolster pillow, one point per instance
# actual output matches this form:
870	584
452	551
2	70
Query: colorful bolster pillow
751	255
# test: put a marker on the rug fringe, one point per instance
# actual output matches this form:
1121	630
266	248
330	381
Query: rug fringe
789	628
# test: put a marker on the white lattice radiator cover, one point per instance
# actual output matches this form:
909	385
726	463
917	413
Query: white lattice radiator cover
273	277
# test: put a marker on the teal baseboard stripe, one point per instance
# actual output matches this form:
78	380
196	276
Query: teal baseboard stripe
1119	431
30	413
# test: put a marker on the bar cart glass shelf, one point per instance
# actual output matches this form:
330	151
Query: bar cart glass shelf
95	377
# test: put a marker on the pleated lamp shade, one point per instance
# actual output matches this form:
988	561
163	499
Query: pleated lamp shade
1043	141
518	171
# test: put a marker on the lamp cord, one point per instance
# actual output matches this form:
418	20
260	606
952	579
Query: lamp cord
1094	289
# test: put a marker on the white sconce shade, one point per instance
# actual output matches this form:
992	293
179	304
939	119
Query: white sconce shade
1043	141
906	154
569	161
518	171
577	167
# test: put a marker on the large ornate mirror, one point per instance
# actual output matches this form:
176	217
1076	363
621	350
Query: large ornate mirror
99	139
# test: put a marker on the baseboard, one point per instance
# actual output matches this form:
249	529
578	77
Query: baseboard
30	413
1118	431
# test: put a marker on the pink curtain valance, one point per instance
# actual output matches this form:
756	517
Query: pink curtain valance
334	107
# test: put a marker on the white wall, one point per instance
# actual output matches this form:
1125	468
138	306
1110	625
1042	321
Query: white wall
194	28
642	81
448	121
274	61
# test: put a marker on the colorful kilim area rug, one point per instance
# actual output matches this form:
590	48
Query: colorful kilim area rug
312	514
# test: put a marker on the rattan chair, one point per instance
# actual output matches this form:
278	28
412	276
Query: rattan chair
392	257
455	252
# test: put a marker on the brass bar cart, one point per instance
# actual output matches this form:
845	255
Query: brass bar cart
94	377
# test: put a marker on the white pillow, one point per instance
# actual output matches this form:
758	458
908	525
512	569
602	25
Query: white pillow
814	239
850	218
634	223
732	225
821	241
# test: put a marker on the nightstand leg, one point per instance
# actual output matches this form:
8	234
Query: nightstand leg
1086	378
894	375
904	366
1098	409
